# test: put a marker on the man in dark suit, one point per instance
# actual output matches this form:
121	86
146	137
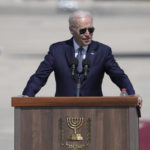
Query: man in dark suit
60	55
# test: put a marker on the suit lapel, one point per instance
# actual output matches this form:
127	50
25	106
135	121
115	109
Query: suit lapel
91	53
69	51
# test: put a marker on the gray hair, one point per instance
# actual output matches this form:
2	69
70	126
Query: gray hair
78	14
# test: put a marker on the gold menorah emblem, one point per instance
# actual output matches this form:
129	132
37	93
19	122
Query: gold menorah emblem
75	123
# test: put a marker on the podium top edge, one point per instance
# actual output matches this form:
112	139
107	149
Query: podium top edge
74	101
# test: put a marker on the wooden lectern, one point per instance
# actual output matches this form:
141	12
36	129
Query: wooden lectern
76	123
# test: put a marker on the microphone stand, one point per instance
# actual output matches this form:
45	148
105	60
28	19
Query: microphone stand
86	65
78	85
74	64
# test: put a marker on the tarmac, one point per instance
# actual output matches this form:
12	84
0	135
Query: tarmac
27	30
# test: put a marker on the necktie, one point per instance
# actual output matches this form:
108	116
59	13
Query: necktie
80	58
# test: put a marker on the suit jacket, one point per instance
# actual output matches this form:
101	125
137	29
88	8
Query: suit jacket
58	59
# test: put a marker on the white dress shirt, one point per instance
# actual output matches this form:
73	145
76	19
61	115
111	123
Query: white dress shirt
76	47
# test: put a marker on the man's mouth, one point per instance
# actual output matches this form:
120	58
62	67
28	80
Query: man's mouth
86	39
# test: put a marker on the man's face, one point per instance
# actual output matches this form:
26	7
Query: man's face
83	31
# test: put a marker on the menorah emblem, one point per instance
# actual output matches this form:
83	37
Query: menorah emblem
75	123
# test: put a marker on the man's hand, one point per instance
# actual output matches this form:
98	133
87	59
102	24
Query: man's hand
139	104
140	100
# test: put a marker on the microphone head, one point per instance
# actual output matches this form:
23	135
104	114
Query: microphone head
74	61
86	62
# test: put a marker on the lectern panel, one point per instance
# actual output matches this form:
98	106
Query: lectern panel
72	128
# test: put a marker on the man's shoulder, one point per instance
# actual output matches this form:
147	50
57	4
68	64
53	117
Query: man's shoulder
100	45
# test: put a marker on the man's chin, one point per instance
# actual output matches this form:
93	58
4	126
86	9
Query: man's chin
86	43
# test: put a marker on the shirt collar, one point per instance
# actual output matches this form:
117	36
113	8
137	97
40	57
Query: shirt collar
76	46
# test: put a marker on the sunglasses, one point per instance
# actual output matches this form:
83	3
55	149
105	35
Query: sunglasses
91	30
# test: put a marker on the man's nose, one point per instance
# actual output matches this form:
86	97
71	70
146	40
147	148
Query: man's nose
87	32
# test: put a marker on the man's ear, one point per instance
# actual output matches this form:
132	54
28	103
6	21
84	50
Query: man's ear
71	30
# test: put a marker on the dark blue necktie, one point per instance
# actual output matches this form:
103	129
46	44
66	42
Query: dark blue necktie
80	58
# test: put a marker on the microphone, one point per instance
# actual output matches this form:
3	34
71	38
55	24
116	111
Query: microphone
86	66
73	65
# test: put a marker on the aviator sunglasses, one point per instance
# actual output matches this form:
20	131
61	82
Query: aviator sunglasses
83	30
